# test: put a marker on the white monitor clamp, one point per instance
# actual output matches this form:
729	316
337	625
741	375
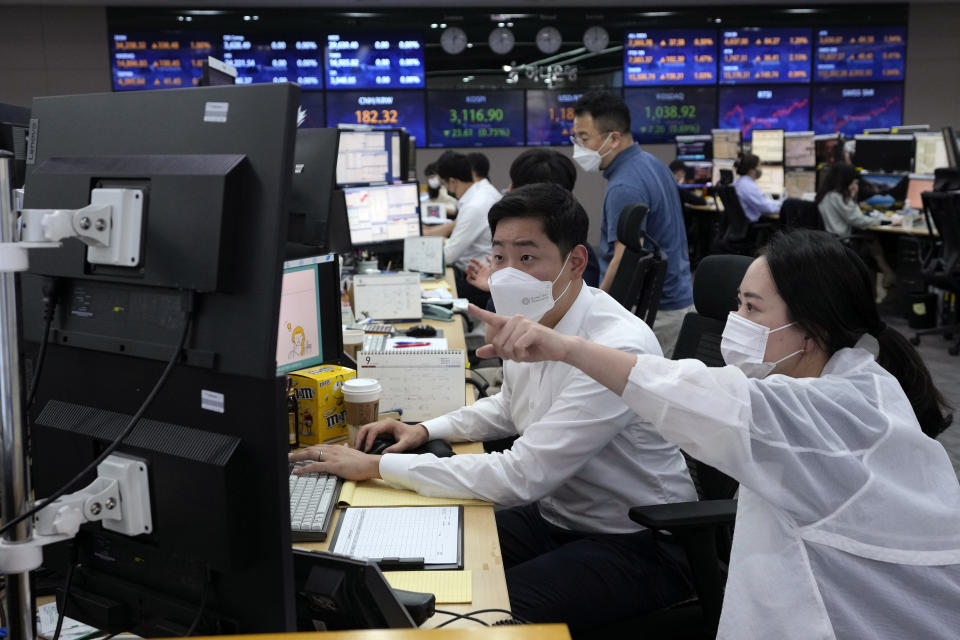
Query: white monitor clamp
119	498
110	226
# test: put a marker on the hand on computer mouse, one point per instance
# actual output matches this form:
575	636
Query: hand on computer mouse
407	436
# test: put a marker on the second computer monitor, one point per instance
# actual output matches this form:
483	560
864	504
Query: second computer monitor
382	214
309	330
768	145
726	144
799	149
918	184
882	152
771	179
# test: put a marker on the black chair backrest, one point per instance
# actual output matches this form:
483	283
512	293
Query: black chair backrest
715	287
946	179
638	282
801	213
726	176
736	225
944	209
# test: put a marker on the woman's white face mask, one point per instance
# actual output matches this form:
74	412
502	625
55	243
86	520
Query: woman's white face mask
744	344
516	292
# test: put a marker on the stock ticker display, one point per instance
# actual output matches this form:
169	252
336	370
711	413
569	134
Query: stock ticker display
475	118
868	54
550	116
749	108
849	109
657	114
159	60
765	56
261	59
371	61
670	57
382	109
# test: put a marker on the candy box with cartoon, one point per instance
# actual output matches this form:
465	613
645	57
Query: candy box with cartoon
320	403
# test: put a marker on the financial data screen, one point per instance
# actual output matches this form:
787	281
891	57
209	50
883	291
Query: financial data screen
753	108
475	118
389	109
382	213
159	59
374	61
670	57
799	150
849	109
661	114
861	54
550	116
765	55
262	58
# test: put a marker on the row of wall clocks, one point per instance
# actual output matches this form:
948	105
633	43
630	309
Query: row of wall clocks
501	40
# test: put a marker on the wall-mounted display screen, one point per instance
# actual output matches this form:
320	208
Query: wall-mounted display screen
754	55
660	114
861	54
749	108
849	109
260	58
550	116
159	59
670	57
387	109
374	61
475	118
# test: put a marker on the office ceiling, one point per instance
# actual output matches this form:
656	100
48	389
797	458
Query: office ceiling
368	5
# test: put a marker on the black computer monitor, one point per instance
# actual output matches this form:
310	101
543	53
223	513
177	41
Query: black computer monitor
828	148
217	73
336	592
214	439
884	152
314	179
952	144
381	216
699	147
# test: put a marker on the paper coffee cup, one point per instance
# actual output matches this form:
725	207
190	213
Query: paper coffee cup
361	399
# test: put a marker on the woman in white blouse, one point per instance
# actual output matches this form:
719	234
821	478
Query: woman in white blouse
848	521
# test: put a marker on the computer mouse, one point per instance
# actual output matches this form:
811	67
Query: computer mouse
421	331
439	448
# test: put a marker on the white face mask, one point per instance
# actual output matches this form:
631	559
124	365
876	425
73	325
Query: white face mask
434	182
744	343
515	292
588	159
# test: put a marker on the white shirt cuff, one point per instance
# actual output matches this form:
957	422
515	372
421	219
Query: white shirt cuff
439	429
395	469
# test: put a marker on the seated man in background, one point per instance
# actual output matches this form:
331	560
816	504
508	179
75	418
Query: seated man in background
583	458
753	200
470	235
480	166
530	167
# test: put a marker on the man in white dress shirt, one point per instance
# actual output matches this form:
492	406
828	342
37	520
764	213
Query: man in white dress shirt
582	458
480	167
470	235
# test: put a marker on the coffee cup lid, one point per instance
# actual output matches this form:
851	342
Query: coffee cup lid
361	390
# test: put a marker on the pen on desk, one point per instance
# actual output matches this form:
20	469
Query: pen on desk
398	345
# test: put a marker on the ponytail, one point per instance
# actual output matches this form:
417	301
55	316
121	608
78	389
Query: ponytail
903	362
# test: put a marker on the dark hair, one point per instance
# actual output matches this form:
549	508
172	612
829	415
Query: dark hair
839	177
564	220
430	169
543	165
829	292
454	165
479	164
745	162
678	165
608	110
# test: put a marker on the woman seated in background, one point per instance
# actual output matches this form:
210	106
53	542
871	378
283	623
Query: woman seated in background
754	202
837	202
848	518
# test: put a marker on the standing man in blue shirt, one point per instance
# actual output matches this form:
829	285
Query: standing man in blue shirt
602	140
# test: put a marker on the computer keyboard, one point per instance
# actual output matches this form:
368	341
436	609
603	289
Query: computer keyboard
313	499
374	342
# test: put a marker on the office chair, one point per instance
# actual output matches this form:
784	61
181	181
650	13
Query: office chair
737	234
801	214
703	528
942	269
638	282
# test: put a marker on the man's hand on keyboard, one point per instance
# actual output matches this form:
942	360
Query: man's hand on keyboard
338	460
407	436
